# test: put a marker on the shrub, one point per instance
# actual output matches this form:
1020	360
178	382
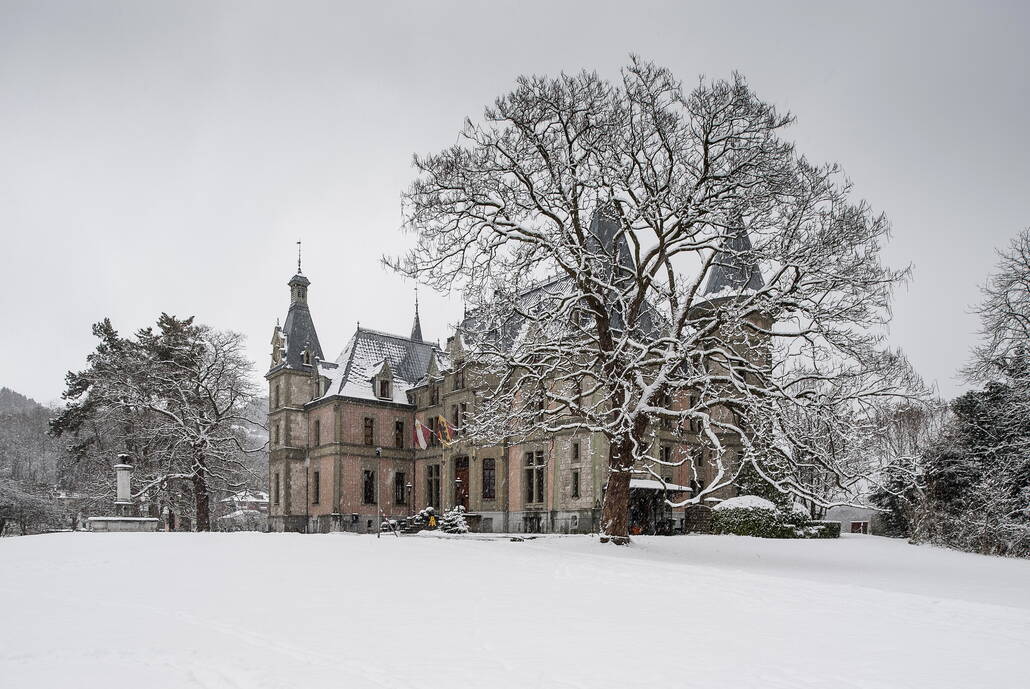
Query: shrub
750	515
819	529
454	521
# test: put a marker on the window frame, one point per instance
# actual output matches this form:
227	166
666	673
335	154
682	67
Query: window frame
369	431
399	490
368	487
535	477
489	470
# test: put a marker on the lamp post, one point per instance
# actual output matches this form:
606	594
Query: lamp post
379	476
457	491
411	504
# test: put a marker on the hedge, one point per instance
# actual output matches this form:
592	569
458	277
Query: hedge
770	523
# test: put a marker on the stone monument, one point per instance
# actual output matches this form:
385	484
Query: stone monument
123	518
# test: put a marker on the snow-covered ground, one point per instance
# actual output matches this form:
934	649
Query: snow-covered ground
302	612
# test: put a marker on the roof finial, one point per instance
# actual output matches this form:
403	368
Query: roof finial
299	272
416	326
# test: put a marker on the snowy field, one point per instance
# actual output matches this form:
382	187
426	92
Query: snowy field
349	612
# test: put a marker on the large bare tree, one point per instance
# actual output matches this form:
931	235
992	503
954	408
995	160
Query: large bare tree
634	253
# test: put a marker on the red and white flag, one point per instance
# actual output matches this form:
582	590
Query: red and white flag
421	435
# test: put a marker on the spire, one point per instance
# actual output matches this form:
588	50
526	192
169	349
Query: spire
298	329
298	285
416	327
735	268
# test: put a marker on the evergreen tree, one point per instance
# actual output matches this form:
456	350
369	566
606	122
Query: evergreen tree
454	521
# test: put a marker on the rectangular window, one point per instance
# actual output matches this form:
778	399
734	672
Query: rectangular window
693	423
368	488
455	417
459	375
666	454
384	389
535	477
575	453
399	497
463	414
434	396
398	434
275	489
316	488
489	478
433	485
370	431
318	432
277	398
278	437
575	483
433	438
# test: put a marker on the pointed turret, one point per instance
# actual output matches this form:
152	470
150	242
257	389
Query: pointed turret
299	342
735	269
416	327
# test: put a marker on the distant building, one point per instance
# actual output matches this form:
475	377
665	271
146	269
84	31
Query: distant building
856	519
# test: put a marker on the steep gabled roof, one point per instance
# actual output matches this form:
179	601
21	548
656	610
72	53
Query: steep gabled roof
367	354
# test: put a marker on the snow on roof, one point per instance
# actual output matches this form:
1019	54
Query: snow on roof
365	356
652	484
734	270
299	334
247	496
243	514
745	502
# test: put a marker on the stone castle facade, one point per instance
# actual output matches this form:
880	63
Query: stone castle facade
342	439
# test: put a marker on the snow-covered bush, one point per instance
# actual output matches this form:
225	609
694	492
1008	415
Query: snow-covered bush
242	520
821	529
454	521
425	519
750	515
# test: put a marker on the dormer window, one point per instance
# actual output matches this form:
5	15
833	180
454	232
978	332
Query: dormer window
384	389
459	375
307	357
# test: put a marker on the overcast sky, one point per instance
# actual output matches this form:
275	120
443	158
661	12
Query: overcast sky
167	156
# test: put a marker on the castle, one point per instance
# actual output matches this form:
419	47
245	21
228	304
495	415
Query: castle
343	440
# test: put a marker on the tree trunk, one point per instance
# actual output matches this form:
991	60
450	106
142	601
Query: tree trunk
615	509
203	501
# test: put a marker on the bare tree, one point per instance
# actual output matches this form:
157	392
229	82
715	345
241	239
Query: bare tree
634	253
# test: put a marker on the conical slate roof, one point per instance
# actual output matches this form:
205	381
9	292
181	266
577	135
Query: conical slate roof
735	269
416	327
299	330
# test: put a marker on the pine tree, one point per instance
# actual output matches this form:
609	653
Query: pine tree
454	521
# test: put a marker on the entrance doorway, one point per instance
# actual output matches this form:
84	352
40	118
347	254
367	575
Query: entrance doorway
461	481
